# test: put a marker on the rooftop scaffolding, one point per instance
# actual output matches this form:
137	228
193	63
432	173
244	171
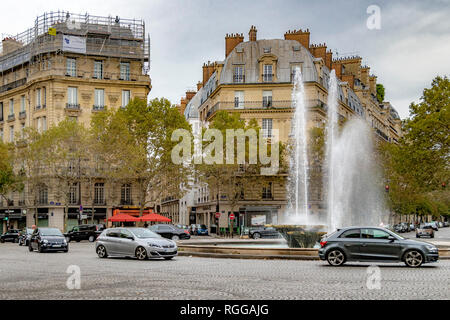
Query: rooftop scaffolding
105	36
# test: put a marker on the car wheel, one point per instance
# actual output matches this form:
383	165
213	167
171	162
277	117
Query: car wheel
16	240
336	257
40	249
2	241
141	253
175	237
168	258
413	258
91	239
101	252
432	236
256	235
417	236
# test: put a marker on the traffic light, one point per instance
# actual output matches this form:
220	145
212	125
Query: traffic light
6	218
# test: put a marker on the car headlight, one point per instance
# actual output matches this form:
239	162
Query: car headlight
154	245
432	248
45	241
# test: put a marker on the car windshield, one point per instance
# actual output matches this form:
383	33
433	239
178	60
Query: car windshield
397	235
50	232
143	233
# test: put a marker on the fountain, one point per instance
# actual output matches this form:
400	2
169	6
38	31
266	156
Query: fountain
353	195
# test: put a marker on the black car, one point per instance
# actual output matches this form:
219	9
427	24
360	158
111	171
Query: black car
85	232
48	239
170	232
374	244
11	235
24	236
263	232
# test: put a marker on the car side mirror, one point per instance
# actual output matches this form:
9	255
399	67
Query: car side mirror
391	238
131	238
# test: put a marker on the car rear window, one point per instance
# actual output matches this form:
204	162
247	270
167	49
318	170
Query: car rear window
353	234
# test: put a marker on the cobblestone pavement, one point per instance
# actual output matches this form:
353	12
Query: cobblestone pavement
32	275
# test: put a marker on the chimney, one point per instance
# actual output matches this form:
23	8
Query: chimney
231	41
329	59
182	106
10	44
252	33
337	66
189	95
199	85
300	36
319	51
208	70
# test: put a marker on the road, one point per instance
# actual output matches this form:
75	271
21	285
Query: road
33	275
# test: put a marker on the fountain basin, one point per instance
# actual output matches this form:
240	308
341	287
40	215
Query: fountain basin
301	236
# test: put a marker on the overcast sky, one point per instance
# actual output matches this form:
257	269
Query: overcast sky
410	49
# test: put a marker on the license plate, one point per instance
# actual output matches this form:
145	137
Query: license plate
56	245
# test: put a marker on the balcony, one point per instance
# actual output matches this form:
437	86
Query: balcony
22	115
98	108
13	85
239	78
73	106
11	117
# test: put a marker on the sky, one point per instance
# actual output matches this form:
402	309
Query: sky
411	47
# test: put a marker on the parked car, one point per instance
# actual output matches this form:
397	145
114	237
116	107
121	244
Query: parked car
434	225
263	232
182	227
374	244
440	224
412	227
11	235
48	239
84	232
170	232
398	228
200	230
425	230
141	243
446	224
24	236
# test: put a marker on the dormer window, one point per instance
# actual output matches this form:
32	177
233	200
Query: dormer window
267	73
238	76
267	50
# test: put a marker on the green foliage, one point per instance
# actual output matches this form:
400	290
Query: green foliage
380	92
419	164
9	180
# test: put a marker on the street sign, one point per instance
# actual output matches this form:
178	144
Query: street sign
232	216
217	215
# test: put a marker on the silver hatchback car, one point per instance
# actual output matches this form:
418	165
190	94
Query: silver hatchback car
141	243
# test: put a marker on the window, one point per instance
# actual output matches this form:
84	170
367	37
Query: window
267	191
294	69
125	71
44	123
267	73
38	98
267	128
353	233
98	69
22	128
1	134
374	234
99	99
99	193
124	233
73	193
125	98
267	99
125	194
239	99
114	233
71	67
72	97
11	134
43	194
22	103
39	124
11	107
1	111
238	76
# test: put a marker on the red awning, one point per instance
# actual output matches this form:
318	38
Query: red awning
154	217
122	217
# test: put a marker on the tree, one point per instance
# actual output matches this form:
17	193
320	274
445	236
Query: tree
136	143
380	92
9	180
232	181
418	166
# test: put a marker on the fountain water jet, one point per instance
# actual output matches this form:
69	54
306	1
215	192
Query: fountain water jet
298	173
